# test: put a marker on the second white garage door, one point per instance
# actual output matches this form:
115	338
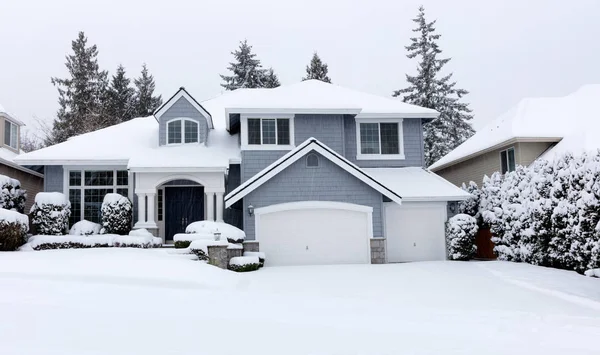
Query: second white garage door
314	232
415	231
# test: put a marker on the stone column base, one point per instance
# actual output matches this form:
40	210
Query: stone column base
378	251
251	245
217	256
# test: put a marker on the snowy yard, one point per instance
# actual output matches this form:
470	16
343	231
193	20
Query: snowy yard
127	301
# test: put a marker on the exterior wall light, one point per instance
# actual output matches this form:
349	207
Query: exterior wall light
250	210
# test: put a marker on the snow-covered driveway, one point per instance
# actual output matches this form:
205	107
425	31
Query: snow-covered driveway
128	301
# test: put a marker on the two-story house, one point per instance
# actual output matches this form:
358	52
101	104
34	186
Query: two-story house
31	180
313	172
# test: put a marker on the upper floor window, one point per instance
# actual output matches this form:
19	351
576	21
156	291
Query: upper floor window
380	140
11	135
268	133
182	131
507	160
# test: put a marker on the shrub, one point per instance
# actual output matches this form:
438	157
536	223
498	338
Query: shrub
13	229
12	196
50	213
261	256
182	244
85	228
244	263
460	235
233	234
116	214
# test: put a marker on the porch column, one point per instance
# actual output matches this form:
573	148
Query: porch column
219	206
210	206
141	207
151	208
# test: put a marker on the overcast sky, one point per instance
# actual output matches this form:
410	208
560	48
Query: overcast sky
501	51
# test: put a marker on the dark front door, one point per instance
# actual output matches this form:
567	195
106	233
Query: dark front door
183	205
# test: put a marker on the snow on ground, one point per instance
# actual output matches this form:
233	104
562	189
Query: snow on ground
125	301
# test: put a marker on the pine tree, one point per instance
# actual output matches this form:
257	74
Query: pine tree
271	80
431	90
120	106
470	206
82	96
317	70
246	71
145	103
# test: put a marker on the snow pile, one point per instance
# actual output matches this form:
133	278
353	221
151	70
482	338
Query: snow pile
593	273
142	232
50	213
227	231
244	263
12	196
136	241
460	236
13	229
85	227
45	242
117	213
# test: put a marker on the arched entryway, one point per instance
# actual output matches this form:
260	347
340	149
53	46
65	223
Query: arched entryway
179	203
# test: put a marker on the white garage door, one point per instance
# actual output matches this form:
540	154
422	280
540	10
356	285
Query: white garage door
415	231
314	232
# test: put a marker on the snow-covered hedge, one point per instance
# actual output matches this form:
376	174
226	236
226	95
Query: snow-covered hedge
50	213
231	233
259	254
85	227
546	214
244	263
13	229
46	242
117	213
460	236
12	196
183	240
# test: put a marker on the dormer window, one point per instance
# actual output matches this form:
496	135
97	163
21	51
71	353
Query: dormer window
182	129
11	135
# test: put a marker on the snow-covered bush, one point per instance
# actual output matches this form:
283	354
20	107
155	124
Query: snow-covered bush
470	206
244	263
183	240
231	233
50	213
460	237
139	238
117	213
199	247
47	242
12	196
260	255
85	227
13	229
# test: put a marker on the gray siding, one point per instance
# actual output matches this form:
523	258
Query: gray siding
254	161
329	129
53	178
328	182
182	109
412	138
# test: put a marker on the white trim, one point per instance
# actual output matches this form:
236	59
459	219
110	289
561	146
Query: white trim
178	170
21	168
72	162
244	132
400	156
286	111
366	115
16	147
177	96
183	120
507	159
7	116
291	157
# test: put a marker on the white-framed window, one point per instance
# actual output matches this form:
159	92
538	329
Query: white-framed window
379	139
507	160
87	188
11	134
312	160
267	132
181	130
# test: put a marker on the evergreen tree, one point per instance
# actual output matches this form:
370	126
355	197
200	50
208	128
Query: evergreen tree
317	70
432	90
246	71
82	96
145	103
470	206
120	106
271	80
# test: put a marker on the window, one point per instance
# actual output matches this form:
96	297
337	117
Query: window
11	134
87	189
312	160
186	130
159	196
269	131
380	140
507	160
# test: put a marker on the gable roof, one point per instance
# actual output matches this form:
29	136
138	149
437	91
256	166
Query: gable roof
182	92
547	119
311	144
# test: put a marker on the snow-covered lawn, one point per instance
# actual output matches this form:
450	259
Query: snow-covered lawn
133	301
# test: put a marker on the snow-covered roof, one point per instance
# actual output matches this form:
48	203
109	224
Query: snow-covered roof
5	113
417	184
548	119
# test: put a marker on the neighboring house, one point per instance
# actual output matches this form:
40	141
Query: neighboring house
316	173
31	180
536	128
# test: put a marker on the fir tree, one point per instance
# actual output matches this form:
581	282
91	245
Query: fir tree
317	70
432	90
271	80
120	106
145	103
246	70
82	96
